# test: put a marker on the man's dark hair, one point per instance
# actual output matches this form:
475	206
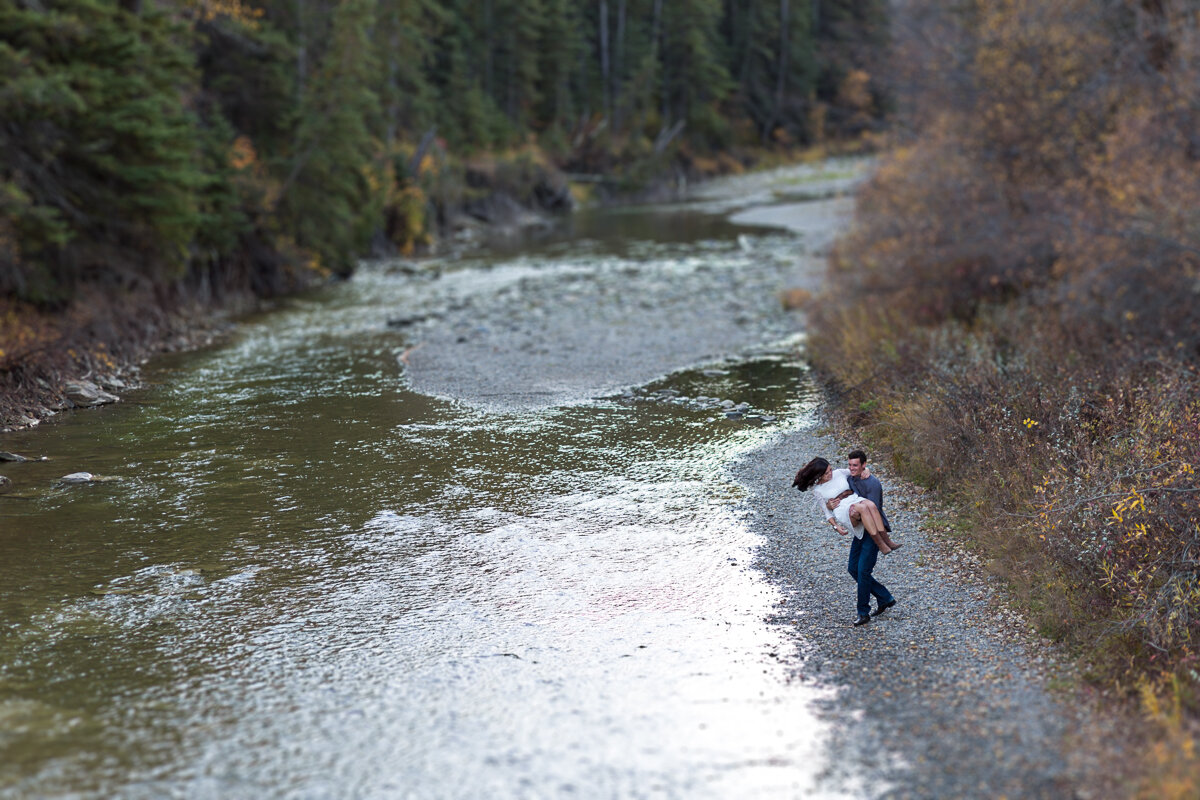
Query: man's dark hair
859	454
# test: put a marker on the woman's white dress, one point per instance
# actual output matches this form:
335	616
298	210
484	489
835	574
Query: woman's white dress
840	482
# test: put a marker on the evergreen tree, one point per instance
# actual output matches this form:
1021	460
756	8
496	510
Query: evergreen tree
558	54
404	42
263	108
332	183
519	32
99	171
771	58
464	74
695	77
851	35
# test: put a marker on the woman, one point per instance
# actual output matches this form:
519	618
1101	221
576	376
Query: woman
834	484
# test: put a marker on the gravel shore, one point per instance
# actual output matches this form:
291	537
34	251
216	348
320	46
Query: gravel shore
550	330
946	695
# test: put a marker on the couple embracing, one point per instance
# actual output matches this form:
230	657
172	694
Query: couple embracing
852	499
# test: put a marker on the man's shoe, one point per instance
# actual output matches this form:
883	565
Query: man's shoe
863	620
883	607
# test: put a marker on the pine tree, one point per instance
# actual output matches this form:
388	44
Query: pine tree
772	60
332	190
405	46
558	52
519	32
99	157
464	73
850	36
695	75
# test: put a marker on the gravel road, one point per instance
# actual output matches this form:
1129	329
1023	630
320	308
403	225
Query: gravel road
948	695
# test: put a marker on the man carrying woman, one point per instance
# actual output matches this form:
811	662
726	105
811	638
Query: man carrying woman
845	508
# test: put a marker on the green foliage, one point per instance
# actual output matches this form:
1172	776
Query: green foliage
557	54
776	84
146	142
222	210
695	78
99	161
405	55
331	182
264	108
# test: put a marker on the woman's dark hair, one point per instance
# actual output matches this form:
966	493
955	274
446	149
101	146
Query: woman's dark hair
809	473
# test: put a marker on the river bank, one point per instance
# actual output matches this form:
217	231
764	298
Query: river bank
948	695
92	353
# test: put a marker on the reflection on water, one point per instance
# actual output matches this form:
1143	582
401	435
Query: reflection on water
308	581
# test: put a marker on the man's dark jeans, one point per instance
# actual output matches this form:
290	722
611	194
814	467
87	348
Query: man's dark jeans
863	554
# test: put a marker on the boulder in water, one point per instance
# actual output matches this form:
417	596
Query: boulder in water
87	394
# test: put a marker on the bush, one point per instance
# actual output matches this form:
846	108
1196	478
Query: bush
1014	316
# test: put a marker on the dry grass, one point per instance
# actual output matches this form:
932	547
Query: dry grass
795	299
1073	472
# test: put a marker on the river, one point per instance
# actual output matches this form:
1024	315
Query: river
486	550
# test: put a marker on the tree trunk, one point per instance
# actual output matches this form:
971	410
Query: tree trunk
604	70
301	52
781	78
619	64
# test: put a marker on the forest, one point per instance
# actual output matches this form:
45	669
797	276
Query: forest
208	146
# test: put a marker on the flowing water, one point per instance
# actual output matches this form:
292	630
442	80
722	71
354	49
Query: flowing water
306	580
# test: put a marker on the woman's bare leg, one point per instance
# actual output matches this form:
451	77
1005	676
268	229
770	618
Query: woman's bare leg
874	529
872	511
869	510
883	530
887	537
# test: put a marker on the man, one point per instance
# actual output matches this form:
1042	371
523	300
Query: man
863	551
